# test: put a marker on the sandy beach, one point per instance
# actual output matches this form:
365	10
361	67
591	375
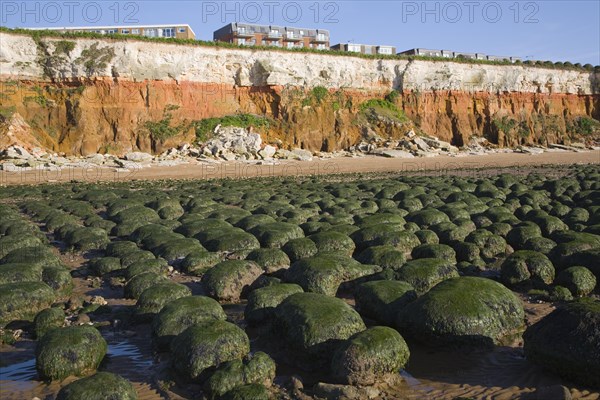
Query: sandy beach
345	165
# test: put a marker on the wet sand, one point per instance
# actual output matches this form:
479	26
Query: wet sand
369	164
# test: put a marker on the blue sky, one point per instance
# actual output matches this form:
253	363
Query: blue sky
541	30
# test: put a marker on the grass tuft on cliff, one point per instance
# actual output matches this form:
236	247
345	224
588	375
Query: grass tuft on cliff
373	109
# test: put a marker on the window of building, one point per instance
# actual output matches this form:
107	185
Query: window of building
168	32
135	31
181	30
354	48
290	45
263	42
242	41
321	46
111	31
124	31
150	32
385	50
321	37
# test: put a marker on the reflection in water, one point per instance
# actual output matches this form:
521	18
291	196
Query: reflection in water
130	352
124	357
23	371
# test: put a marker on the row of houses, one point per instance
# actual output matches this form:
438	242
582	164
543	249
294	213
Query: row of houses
456	54
277	36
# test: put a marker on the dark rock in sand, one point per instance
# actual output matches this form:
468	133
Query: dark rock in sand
567	342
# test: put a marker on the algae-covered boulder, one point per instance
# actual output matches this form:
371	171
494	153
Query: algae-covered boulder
179	314
59	279
22	301
234	241
519	235
228	280
427	236
158	266
271	260
136	256
86	238
567	342
48	319
325	272
550	224
427	217
262	302
579	280
253	391
490	245
136	285
333	241
424	273
104	265
314	323
100	386
36	255
526	265
442	251
541	244
467	252
207	345
300	248
178	249
197	263
258	369
19	272
153	299
387	257
585	258
276	234
368	356
251	221
382	300
11	243
391	234
463	310
74	350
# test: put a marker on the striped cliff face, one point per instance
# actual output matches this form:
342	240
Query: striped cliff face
79	98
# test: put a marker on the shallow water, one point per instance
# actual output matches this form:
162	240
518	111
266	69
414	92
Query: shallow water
128	357
20	372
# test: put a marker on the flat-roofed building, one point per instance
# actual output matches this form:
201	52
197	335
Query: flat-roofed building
179	31
455	54
364	48
273	35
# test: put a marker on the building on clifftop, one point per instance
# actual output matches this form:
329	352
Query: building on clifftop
273	35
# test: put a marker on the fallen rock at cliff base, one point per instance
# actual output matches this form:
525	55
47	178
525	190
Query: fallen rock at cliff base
231	143
302	155
267	152
16	152
390	153
138	157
